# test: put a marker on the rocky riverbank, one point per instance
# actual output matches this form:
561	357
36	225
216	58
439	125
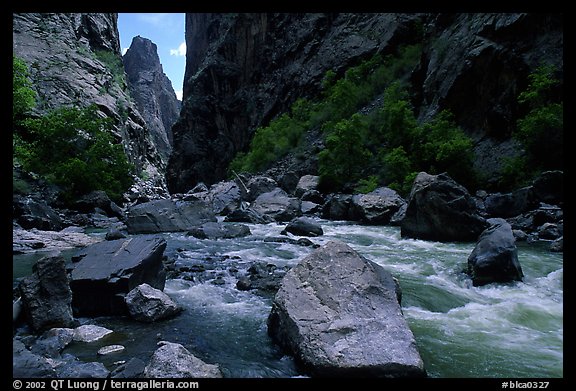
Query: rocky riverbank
206	214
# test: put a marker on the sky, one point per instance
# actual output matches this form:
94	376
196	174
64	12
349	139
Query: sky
167	32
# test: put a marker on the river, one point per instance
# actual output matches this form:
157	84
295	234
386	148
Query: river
498	330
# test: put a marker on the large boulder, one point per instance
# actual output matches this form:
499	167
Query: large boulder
306	183
147	304
495	257
31	213
98	199
112	269
52	342
376	207
337	207
277	204
248	216
46	294
303	226
259	185
220	231
338	314
168	216
225	197
509	204
440	209
174	360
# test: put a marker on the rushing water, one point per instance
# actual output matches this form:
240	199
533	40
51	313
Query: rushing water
498	330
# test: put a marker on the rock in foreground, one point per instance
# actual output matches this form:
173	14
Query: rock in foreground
440	209
174	360
338	314
46	294
147	304
495	257
108	270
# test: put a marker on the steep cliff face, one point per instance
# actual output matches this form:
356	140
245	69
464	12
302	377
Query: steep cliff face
244	69
74	60
152	91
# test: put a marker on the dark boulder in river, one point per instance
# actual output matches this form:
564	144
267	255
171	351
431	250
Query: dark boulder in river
46	295
442	210
495	257
168	216
107	271
338	314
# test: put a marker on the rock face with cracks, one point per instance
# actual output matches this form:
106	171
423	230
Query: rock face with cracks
338	314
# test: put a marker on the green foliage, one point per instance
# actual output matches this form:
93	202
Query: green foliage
23	96
345	157
367	185
114	64
74	149
540	132
396	166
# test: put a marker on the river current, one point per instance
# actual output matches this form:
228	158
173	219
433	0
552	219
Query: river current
499	330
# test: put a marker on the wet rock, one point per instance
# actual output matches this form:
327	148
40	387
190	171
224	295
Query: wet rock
134	368
90	333
303	226
26	364
168	216
172	360
549	231
440	209
113	268
220	231
82	370
557	245
147	304
299	242
114	234
248	216
105	350
52	342
396	219
263	277
310	208
277	204
520	235
31	213
495	257
376	207
46	294
338	314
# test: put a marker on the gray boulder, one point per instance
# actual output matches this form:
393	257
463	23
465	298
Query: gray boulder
440	209
31	213
259	185
495	257
376	207
113	268
174	360
509	204
26	364
90	333
306	183
52	342
549	231
303	226
338	314
277	204
310	208
337	207
168	216
224	197
46	294
147	304
220	231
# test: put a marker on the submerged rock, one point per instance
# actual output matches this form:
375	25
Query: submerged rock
220	231
174	360
495	257
338	314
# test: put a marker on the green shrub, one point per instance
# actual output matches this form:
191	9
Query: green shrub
23	96
113	62
367	185
74	149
